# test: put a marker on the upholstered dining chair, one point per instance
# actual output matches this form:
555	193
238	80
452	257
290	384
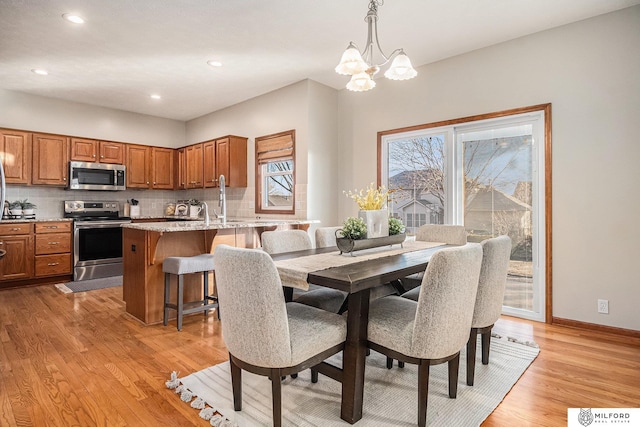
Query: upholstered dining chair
274	242
496	253
265	335
326	236
434	329
444	233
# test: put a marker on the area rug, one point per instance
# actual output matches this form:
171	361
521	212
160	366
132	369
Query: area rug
90	285
390	396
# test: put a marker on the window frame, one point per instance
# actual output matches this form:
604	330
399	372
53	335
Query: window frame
544	162
268	149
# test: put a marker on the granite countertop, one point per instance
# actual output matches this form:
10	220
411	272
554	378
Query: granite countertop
22	220
173	226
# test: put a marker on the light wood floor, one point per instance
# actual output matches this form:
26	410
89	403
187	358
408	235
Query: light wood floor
79	359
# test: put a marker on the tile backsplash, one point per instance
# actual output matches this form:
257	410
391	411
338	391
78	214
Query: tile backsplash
240	201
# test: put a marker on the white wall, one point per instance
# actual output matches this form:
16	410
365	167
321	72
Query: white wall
589	71
40	114
309	108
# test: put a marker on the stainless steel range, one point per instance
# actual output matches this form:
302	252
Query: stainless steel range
97	238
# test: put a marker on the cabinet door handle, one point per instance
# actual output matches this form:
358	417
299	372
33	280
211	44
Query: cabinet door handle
50	226
54	243
14	229
1	243
51	264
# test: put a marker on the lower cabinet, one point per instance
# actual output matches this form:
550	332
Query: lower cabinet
17	240
35	250
53	248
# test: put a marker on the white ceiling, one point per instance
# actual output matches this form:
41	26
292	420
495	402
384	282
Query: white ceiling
128	49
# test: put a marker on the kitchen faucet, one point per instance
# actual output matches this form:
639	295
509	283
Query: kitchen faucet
222	201
206	213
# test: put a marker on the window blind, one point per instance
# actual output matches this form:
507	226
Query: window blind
274	147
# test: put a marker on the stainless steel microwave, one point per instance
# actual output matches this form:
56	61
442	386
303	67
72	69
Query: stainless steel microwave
96	176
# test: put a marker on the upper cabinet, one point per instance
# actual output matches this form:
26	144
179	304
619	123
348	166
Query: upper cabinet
180	168
50	164
138	166
15	151
226	156
193	165
90	150
150	167
162	168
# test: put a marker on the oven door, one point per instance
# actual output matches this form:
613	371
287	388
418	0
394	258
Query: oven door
97	249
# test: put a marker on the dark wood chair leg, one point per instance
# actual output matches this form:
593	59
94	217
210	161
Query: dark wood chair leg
471	355
236	385
423	392
314	376
454	366
288	293
400	364
486	343
276	393
180	299
294	375
389	362
167	281
205	291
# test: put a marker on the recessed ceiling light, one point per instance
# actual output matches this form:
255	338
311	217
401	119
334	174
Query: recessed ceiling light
215	63
155	96
73	18
40	71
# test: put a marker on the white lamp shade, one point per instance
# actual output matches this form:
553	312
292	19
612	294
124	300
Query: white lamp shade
361	82
351	62
401	68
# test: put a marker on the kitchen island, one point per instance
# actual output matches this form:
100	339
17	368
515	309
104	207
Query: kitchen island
147	244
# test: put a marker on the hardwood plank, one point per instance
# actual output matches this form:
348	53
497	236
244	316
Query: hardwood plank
80	359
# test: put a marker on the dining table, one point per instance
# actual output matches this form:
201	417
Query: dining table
356	276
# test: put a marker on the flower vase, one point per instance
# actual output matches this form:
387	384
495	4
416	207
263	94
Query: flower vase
377	222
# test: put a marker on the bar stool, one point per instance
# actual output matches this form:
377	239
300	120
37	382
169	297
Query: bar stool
188	265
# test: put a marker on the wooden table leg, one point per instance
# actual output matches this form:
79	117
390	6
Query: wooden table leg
355	353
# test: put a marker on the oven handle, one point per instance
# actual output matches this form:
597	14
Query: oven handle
100	224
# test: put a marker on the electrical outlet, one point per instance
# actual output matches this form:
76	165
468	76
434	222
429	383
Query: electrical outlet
603	306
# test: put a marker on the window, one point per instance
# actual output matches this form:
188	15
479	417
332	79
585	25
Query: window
489	173
275	177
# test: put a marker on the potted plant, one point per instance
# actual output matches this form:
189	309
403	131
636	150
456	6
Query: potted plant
27	207
15	208
353	228
395	226
372	203
352	236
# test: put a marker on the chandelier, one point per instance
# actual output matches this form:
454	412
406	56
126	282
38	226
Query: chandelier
362	67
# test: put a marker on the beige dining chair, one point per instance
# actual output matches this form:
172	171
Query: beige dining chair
275	242
265	335
434	329
326	236
443	233
496	253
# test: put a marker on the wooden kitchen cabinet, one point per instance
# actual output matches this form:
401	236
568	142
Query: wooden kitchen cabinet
193	166
138	166
181	169
53	248
15	150
17	240
50	159
226	156
150	167
162	168
91	150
